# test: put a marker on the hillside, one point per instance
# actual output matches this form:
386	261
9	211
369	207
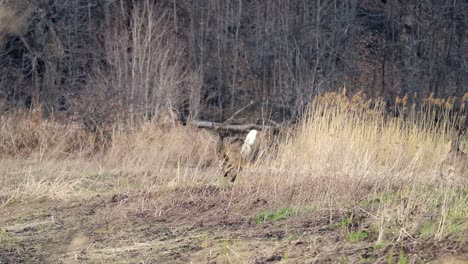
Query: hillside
206	59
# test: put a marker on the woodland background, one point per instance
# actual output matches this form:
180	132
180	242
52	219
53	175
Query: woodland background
131	60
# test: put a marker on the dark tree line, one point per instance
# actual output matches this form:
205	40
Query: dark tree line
94	55
286	51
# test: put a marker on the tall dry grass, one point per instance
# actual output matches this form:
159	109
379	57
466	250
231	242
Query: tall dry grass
352	138
349	148
346	153
163	153
48	159
25	134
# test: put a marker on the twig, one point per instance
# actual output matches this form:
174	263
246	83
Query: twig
238	111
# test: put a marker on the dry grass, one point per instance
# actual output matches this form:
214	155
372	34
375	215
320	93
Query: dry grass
25	134
45	159
351	139
345	154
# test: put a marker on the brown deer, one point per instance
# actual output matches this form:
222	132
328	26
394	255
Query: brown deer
457	159
236	153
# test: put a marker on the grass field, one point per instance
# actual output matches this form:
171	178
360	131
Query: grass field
348	184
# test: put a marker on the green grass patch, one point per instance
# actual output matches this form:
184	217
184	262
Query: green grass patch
280	214
457	226
402	258
385	197
356	236
344	223
427	230
366	260
7	241
225	246
344	260
390	257
380	245
291	237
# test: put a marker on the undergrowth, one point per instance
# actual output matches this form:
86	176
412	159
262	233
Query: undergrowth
346	153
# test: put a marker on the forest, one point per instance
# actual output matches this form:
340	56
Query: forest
207	59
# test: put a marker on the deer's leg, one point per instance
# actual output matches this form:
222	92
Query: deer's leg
233	178
227	172
229	169
225	165
237	170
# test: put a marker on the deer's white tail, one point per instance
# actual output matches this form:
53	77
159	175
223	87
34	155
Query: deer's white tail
248	143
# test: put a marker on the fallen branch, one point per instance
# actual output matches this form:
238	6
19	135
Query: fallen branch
230	127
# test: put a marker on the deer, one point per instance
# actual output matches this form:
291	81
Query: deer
457	159
236	154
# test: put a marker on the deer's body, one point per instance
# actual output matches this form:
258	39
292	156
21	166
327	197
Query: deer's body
457	160
236	154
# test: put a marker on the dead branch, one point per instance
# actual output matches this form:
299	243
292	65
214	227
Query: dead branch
238	111
230	127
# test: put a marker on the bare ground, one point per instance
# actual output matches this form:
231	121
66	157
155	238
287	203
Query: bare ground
205	226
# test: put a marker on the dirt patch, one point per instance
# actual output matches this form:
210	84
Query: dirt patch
202	227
